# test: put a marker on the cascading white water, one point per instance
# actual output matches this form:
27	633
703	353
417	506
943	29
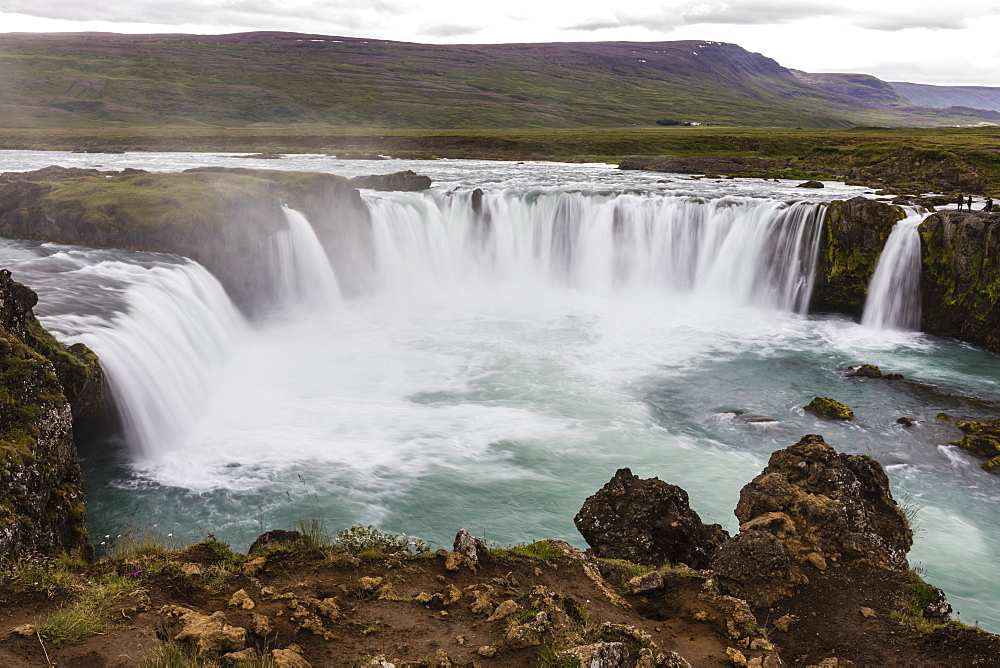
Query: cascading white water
161	353
302	266
893	299
749	252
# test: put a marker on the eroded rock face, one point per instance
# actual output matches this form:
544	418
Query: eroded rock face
407	180
854	235
811	508
42	508
223	218
646	521
961	279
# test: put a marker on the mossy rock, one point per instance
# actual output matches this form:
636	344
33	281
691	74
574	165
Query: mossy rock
981	438
830	409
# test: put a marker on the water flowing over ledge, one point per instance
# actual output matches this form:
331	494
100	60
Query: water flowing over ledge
893	300
744	252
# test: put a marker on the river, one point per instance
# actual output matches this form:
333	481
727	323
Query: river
499	367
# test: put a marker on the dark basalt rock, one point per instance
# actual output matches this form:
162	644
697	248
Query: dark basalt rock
753	565
838	506
406	181
646	521
274	538
854	235
810	509
960	284
42	507
811	184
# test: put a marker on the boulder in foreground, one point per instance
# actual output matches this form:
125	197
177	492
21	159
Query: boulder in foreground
646	521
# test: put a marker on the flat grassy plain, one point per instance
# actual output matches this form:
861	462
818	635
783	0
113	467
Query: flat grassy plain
958	158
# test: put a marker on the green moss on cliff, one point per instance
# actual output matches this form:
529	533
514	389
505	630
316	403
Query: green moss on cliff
854	235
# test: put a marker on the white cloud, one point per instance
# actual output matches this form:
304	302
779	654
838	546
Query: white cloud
922	40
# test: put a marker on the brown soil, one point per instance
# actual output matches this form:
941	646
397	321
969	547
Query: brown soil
678	617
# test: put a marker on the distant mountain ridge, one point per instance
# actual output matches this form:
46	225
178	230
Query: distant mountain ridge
107	80
977	97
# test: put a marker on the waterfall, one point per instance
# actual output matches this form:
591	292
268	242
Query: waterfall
303	268
161	352
752	252
893	300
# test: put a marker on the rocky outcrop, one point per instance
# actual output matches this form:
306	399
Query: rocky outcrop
42	508
222	218
982	439
811	508
854	234
828	408
646	521
961	276
406	181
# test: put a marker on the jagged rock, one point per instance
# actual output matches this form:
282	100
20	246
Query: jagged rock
290	657
854	235
600	655
982	439
829	408
472	549
646	522
406	180
871	371
504	610
211	635
813	501
236	658
736	656
242	600
274	538
960	281
262	625
648	582
527	634
42	507
811	184
754	566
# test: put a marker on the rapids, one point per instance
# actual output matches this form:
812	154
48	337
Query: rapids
504	363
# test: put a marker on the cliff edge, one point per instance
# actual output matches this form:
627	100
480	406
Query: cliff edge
43	386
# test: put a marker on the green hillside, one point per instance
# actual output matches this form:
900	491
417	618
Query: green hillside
94	80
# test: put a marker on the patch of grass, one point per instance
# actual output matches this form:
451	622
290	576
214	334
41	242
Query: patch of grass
89	612
634	570
175	655
916	597
148	544
541	550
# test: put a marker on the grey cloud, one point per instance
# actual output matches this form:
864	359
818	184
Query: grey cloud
762	12
596	24
891	23
448	30
256	13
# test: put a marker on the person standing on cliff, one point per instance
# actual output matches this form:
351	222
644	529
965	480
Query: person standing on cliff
968	203
960	201
989	205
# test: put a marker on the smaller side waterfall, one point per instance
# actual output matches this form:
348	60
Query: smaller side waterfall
893	300
303	266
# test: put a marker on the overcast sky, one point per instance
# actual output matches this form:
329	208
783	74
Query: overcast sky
953	42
